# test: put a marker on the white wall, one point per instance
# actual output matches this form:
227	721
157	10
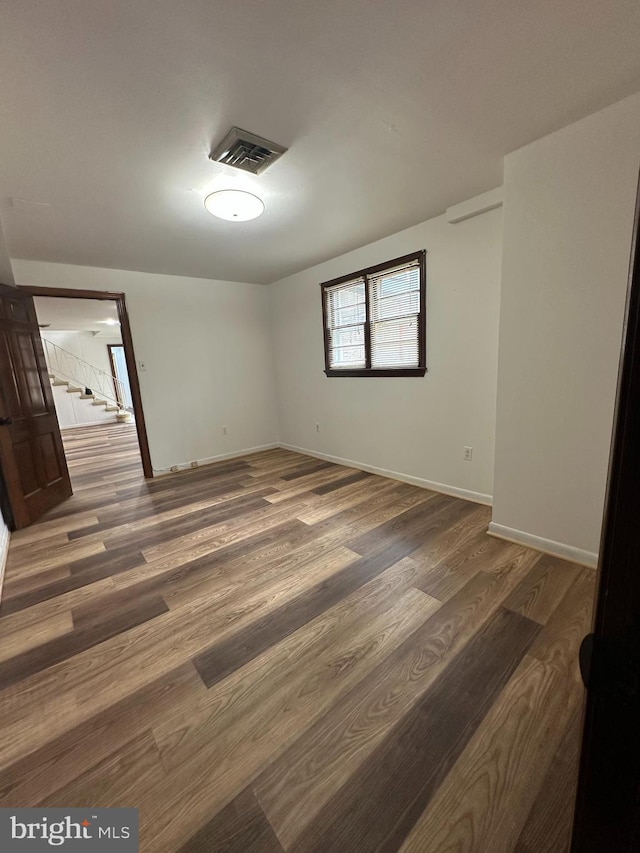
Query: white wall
568	213
206	348
416	427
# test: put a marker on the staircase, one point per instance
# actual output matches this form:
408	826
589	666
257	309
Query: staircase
121	415
73	375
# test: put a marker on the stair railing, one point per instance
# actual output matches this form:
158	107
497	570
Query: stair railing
67	366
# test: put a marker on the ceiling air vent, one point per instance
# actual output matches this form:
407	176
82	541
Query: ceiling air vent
246	151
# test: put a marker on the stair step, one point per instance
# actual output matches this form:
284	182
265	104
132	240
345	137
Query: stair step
112	408
99	403
86	396
73	389
59	382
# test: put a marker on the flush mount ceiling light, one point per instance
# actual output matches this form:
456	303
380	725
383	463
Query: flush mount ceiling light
234	205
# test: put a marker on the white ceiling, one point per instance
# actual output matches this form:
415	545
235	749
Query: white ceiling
82	315
392	112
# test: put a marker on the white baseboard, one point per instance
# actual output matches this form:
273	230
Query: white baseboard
5	537
454	491
183	466
556	549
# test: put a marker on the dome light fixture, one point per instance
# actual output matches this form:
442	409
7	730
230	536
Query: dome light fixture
234	205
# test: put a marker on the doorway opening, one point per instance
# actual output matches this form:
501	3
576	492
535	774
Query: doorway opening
89	352
118	363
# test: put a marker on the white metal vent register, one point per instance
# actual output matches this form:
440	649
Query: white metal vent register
246	151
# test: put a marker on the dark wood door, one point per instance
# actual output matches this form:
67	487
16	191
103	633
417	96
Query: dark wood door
32	458
607	816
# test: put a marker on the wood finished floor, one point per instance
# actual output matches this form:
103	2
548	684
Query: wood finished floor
279	654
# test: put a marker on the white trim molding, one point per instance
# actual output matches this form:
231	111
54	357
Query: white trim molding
548	546
475	206
454	491
208	460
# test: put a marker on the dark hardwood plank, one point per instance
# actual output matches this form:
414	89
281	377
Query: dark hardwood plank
169	498
340	484
103	616
241	827
548	827
112	781
307	469
81	573
210	759
356	502
409	524
95	629
151	510
78	503
560	638
21	585
189	576
450	574
37	774
538	594
191	523
384	798
484	801
225	657
301	781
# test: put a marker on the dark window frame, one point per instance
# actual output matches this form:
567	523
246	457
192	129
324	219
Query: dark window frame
421	258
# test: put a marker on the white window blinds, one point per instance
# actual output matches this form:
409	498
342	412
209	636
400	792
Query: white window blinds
394	307
346	314
374	322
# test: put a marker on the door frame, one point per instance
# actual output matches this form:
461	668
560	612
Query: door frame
127	342
112	362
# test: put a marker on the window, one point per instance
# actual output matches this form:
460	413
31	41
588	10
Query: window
374	320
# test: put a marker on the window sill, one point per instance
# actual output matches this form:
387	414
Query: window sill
409	371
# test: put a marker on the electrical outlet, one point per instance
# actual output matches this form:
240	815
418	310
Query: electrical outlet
194	464
317	427
142	366
468	454
225	431
174	468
